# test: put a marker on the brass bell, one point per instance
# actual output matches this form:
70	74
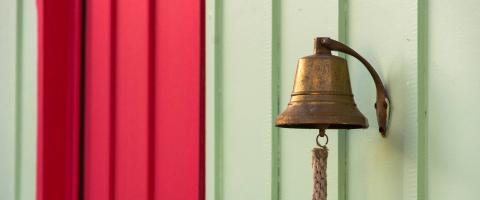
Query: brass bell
322	95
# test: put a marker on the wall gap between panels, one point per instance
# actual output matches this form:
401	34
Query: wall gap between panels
276	64
422	70
18	100
342	134
214	99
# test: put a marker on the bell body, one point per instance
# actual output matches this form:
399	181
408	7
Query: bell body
322	96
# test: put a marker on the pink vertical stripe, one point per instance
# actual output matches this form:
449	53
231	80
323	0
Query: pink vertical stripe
98	112
132	100
179	100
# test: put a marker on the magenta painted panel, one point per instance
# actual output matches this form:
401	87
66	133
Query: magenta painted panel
131	126
179	157
144	94
99	100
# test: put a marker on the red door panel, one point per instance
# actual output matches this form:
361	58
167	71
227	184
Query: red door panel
59	99
121	99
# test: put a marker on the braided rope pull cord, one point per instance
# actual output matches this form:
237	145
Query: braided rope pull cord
319	165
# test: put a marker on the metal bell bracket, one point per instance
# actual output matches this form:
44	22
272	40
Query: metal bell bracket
383	101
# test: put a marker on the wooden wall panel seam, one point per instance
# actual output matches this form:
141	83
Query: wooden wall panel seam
219	106
218	93
422	70
18	97
214	100
275	92
342	146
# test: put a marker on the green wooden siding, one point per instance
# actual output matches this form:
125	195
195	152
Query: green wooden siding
239	126
453	96
7	101
425	54
385	33
252	50
18	99
250	43
422	73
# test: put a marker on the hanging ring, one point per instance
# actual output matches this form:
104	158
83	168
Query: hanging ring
320	134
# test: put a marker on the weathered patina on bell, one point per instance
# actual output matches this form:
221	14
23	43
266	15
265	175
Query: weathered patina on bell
322	95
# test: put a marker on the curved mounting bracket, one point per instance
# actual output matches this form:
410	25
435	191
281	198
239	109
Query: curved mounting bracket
382	103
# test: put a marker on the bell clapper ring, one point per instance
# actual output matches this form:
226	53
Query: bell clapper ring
321	133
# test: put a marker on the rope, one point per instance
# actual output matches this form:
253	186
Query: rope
319	165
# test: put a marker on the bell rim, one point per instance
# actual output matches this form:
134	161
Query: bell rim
345	126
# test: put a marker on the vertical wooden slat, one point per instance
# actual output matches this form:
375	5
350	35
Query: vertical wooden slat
246	99
28	112
18	99
214	104
385	33
98	98
453	93
8	82
301	22
131	139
